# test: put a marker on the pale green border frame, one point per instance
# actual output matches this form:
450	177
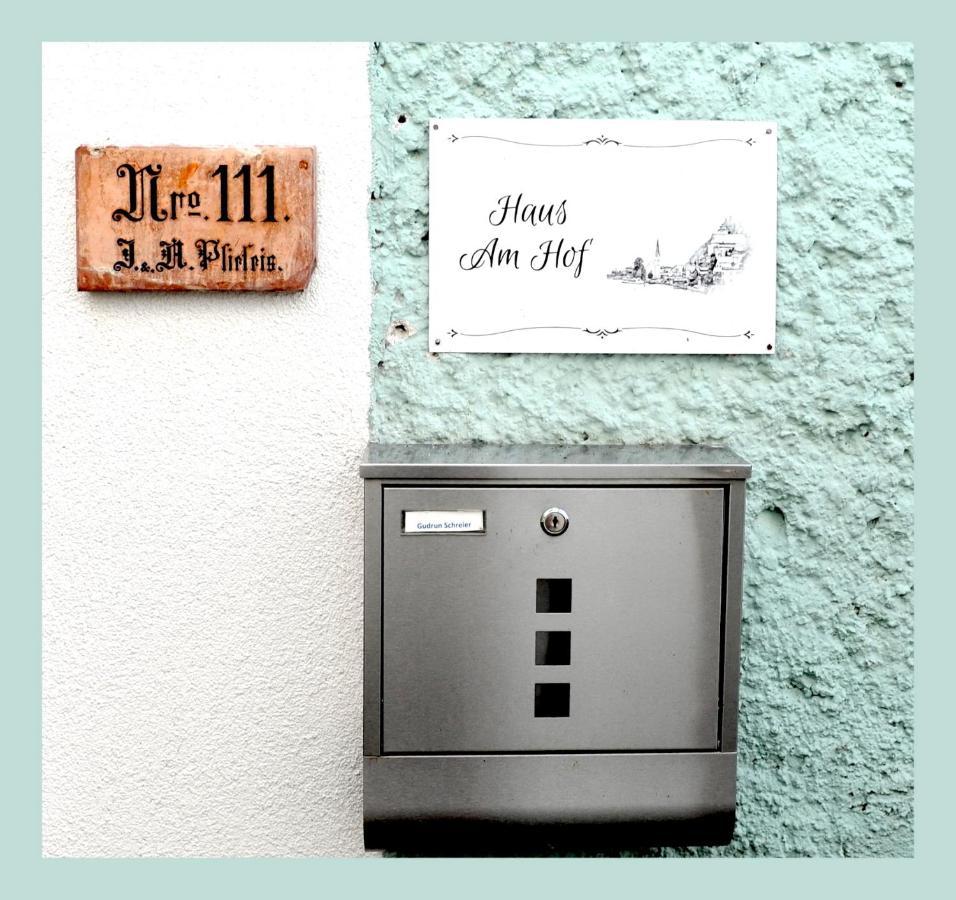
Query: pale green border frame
25	874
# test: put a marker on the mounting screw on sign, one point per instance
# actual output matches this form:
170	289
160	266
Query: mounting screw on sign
554	521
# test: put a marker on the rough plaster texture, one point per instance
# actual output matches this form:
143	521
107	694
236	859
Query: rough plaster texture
202	510
826	707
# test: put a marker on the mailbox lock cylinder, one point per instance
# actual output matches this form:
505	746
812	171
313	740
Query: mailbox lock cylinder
554	521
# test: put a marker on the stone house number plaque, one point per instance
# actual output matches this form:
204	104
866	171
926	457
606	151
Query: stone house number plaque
195	218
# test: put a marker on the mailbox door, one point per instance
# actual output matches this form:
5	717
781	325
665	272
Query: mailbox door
606	637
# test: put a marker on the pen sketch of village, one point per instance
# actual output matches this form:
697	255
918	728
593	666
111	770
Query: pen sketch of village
714	262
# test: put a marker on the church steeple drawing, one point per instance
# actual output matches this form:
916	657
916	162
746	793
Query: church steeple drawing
716	260
657	261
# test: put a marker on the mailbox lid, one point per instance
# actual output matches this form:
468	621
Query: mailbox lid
460	620
491	461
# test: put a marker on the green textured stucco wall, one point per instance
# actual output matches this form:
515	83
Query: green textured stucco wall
826	739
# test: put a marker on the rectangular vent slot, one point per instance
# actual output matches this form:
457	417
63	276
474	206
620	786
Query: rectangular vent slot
552	648
553	595
552	701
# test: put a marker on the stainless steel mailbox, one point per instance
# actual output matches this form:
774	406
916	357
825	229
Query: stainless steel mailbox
551	645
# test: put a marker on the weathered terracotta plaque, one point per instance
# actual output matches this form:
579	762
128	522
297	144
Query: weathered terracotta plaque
194	218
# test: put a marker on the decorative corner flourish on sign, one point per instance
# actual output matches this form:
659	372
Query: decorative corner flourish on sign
601	141
602	333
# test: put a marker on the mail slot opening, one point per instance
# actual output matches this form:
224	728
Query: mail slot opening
553	595
552	648
552	701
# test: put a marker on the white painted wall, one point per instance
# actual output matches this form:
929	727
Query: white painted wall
202	532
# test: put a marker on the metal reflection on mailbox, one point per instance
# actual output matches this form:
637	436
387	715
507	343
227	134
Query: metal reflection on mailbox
552	645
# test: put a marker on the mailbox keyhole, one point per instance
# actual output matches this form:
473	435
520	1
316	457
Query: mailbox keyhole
554	521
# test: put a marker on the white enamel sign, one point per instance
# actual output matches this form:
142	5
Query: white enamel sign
586	236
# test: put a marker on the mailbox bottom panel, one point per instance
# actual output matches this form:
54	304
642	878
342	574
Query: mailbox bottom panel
466	805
